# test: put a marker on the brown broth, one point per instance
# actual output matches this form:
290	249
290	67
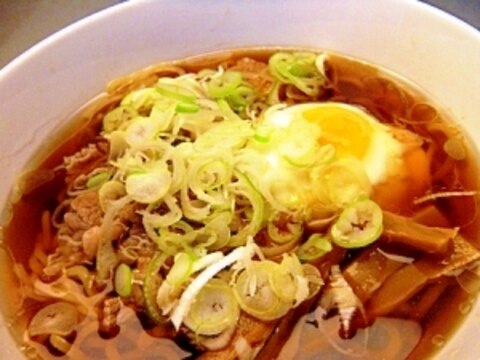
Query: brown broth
390	98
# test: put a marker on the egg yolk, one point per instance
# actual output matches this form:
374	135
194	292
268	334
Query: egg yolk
352	136
346	130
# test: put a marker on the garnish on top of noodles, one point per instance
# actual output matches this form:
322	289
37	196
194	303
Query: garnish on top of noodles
214	162
240	195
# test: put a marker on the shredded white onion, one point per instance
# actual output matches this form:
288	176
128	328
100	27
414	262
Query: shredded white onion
196	285
397	258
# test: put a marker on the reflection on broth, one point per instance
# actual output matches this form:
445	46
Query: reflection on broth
251	204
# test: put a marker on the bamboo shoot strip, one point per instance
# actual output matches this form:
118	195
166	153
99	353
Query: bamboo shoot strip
403	230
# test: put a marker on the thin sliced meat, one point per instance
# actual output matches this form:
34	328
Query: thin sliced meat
85	212
85	160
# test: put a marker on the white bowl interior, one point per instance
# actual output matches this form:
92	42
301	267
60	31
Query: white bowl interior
43	87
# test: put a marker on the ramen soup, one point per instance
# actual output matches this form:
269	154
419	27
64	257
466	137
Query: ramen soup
252	204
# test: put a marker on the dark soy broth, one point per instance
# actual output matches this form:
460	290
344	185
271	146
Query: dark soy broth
391	99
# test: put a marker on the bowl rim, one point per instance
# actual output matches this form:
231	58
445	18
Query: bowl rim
84	22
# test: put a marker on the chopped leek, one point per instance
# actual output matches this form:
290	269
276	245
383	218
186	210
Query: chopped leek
211	170
314	248
118	117
181	269
188	296
298	69
282	228
110	191
263	133
282	283
98	179
255	294
175	92
123	280
314	278
339	184
142	100
358	225
140	130
148	187
223	85
150	286
244	188
291	264
214	310
230	86
153	220
185	107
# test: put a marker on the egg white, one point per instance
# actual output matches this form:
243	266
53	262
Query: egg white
383	155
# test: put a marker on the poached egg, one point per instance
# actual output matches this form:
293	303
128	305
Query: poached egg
392	160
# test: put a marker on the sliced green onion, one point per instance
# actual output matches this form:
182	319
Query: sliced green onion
118	117
241	97
123	280
263	133
150	287
358	225
181	269
141	130
110	191
242	253
142	100
230	87
255	295
224	85
315	281
282	228
245	188
314	248
153	220
227	111
233	134
298	69
219	223
148	187
292	266
340	183
283	284
214	310
207	177
186	108
176	92
98	179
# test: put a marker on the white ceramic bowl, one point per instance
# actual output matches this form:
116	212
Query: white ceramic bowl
41	88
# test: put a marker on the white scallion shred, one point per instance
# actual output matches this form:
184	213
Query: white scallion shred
197	284
397	258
